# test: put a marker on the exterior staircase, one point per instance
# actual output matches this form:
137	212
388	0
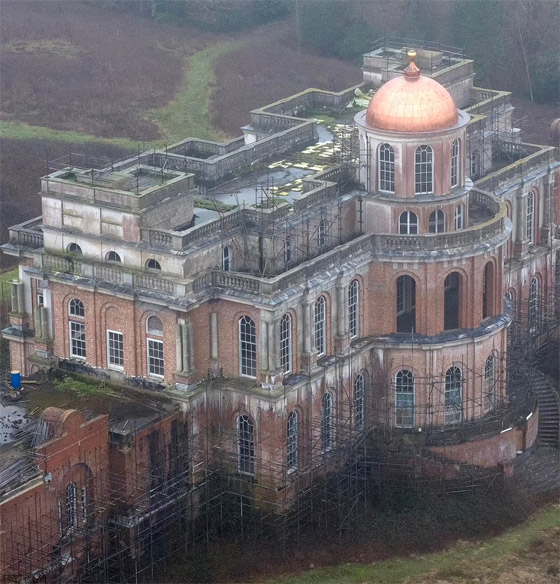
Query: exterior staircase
549	414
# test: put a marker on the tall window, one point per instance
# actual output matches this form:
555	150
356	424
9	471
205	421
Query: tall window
451	301
288	250
459	219
406	304
453	395
437	222
226	259
76	308
488	291
455	163
474	163
71	507
359	402
408	223
489	383
155	358
84	503
112	256
327	422
530	217
247	347
321	326
534	308
292	444
404	399
424	170
245	445
77	340
386	165
322	234
286	343
115	350
353	308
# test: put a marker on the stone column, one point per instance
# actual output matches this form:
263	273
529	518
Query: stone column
180	345
307	332
214	359
521	243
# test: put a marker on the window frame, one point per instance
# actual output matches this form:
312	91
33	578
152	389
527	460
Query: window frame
424	170
405	389
410	223
151	358
72	304
533	305
354	308
292	442
71	507
453	395
530	217
459	217
490	382
455	163
116	259
247	347
359	394
327	422
156	267
436	222
386	168
245	445
78	347
322	234
320	326
286	348
110	363
227	257
73	247
154	331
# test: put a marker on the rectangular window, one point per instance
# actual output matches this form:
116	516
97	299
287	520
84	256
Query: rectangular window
155	358
77	340
115	350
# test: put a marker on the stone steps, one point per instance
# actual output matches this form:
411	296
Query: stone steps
549	411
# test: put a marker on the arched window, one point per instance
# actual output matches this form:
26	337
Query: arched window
509	302
475	159
530	218
327	422
321	326
76	308
292	443
322	234
490	383
424	170
286	343
408	223
245	445
359	402
437	221
455	163
353	308
534	305
453	395
71	507
112	256
154	326
488	291
152	264
74	248
404	399
386	165
406	304
77	329
451	306
226	259
247	347
459	218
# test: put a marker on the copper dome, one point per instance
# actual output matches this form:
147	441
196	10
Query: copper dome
412	103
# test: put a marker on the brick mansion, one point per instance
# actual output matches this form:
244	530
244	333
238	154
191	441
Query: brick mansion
377	275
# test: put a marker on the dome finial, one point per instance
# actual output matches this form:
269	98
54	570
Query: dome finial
412	71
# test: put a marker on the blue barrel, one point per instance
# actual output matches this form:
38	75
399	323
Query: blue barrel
16	379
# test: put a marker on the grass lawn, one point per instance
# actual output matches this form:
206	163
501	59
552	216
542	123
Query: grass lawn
531	548
188	114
